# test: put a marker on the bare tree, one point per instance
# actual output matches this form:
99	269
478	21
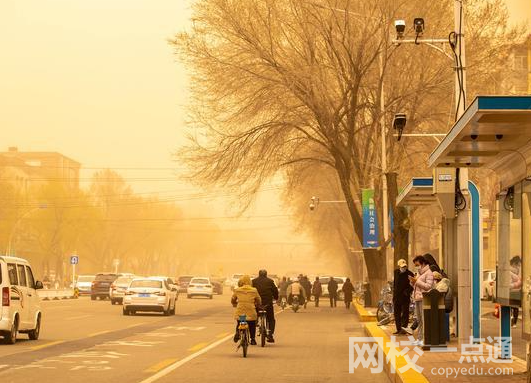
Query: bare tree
283	83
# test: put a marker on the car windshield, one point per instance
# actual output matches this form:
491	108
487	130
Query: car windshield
199	281
85	278
339	280
185	279
105	277
237	276
324	279
123	281
148	283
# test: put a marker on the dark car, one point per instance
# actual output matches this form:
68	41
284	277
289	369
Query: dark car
183	282
101	285
217	286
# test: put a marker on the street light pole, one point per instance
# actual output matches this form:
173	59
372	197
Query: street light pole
15	227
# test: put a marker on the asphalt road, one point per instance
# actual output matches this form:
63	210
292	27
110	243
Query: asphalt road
88	341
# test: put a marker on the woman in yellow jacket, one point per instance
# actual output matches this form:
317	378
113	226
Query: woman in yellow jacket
245	298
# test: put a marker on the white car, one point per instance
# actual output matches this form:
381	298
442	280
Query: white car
200	286
234	280
20	310
154	294
84	284
118	289
488	290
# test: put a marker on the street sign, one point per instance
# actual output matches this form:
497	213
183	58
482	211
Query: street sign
74	260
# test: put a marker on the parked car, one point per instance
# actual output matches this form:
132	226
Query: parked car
118	289
153	294
488	285
183	282
84	284
20	310
200	286
101	285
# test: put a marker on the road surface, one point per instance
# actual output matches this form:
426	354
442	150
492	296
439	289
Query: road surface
88	341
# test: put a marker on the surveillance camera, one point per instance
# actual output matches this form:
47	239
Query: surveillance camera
399	123
400	26
418	24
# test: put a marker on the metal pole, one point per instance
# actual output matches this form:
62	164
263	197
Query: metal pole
385	197
460	67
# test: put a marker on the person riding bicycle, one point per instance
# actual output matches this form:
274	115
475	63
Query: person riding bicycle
268	293
245	298
296	289
282	289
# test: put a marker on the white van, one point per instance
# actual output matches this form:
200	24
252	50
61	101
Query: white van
20	310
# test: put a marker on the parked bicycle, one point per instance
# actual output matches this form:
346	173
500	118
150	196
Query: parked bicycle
359	294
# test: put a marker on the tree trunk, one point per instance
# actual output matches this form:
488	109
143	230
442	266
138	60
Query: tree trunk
400	219
376	270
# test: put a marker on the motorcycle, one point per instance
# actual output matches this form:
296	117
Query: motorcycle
283	302
295	303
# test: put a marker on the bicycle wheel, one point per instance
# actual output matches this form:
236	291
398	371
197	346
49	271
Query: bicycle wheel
244	342
263	332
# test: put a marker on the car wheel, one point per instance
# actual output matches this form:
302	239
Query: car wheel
189	296
10	337
132	312
93	297
125	311
211	297
34	334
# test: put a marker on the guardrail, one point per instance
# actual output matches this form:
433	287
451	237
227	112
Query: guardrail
47	294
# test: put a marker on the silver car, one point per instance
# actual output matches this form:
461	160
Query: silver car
118	289
154	294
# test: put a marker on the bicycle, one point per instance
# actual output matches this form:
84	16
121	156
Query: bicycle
263	331
245	336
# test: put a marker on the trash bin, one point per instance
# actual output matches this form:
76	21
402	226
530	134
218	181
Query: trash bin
434	319
367	294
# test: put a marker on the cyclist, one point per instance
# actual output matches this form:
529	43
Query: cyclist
282	289
268	293
296	289
245	298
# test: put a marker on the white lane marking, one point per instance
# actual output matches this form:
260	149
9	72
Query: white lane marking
136	343
181	362
183	328
78	317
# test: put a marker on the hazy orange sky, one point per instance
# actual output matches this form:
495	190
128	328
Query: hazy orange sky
97	81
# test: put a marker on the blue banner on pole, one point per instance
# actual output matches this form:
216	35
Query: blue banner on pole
370	220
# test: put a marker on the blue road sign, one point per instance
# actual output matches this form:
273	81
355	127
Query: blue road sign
74	260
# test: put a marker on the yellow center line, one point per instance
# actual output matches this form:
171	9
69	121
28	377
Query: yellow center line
162	364
46	345
198	347
99	333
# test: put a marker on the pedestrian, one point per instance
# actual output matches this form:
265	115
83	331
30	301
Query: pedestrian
245	298
347	289
307	285
332	292
515	287
422	282
442	285
401	296
317	290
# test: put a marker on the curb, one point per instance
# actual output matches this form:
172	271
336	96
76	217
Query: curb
363	314
409	376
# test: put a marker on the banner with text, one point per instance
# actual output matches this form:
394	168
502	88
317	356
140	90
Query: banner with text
370	220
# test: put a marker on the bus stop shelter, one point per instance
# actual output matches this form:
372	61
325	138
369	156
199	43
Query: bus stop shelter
495	133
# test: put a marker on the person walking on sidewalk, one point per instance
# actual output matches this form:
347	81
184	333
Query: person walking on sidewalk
317	290
401	296
422	282
332	292
347	289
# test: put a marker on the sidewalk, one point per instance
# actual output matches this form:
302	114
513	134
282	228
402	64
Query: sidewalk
439	366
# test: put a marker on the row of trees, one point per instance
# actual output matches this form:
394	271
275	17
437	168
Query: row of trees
49	222
294	87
